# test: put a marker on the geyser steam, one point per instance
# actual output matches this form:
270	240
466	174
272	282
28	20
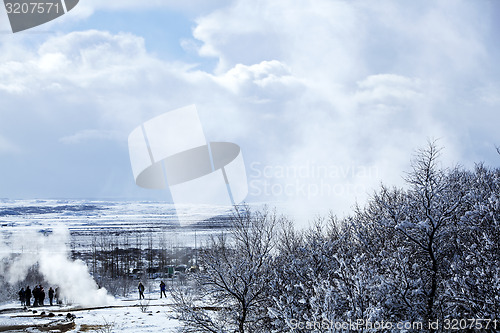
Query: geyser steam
20	252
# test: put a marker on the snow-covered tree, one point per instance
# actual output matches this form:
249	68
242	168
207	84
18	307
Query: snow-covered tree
427	252
233	288
424	220
473	288
323	279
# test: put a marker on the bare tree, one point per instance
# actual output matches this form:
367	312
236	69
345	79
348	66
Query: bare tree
233	285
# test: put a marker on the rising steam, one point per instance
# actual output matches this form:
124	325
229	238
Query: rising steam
23	250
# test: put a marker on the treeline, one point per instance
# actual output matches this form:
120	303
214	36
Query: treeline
117	262
422	258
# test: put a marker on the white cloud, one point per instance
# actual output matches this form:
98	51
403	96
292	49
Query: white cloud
380	89
80	59
264	81
378	79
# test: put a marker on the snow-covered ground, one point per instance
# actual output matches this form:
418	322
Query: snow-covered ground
123	315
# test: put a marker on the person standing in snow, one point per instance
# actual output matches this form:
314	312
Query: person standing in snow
27	296
42	295
36	295
162	289
21	296
51	295
141	290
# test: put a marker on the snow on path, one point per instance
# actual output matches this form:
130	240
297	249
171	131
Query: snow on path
126	315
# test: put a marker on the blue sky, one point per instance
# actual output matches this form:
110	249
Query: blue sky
327	99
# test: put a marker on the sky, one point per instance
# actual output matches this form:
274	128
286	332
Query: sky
327	98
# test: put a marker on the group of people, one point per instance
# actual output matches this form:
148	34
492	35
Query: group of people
38	294
163	288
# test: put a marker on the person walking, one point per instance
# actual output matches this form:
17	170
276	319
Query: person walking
162	289
51	295
21	297
141	290
27	296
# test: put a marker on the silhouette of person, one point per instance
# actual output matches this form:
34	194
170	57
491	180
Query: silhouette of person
51	295
162	289
41	295
36	295
141	290
21	297
27	296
